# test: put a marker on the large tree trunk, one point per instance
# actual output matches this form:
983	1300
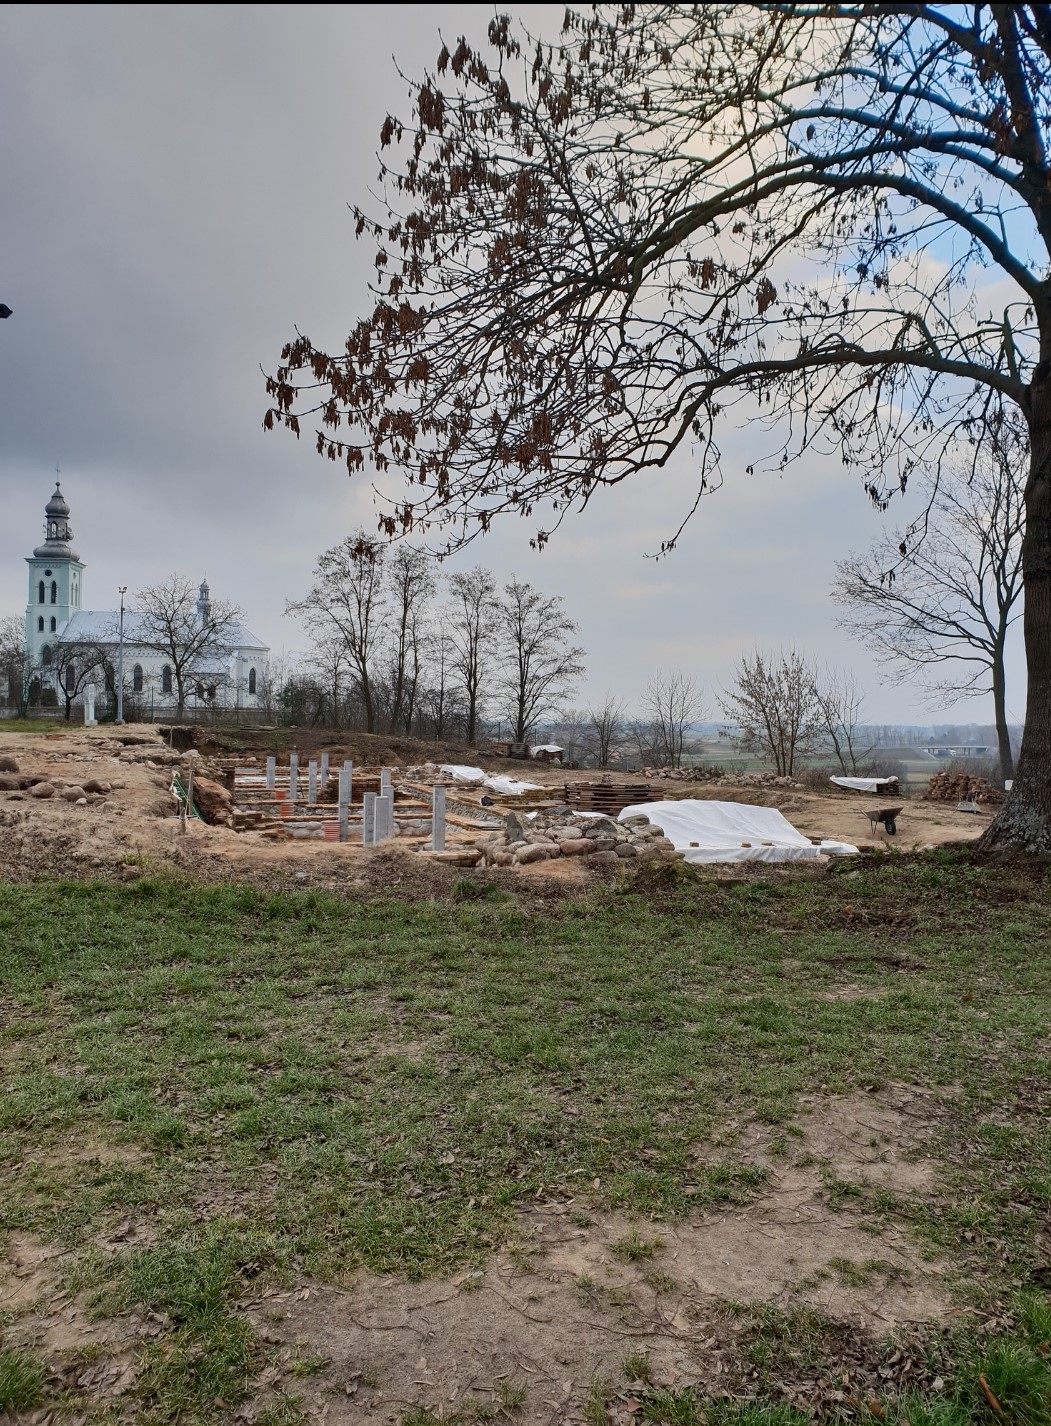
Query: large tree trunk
1024	821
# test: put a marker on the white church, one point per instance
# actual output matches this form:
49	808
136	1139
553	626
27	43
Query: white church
231	677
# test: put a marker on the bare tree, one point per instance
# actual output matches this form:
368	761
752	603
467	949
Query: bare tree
473	622
177	620
410	584
673	703
840	699
774	703
75	666
593	252
15	671
540	665
346	603
572	729
607	726
439	697
941	607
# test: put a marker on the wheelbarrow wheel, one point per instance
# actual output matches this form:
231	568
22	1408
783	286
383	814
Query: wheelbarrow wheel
891	826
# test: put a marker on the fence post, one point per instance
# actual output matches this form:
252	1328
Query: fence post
384	817
324	769
271	773
312	782
438	818
293	776
368	820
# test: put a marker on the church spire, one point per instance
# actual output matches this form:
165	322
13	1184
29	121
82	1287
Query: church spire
58	533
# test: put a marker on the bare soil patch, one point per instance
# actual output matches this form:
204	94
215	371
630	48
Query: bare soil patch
578	1291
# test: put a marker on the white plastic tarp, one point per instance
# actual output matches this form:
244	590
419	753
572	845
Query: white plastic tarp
509	786
865	784
732	832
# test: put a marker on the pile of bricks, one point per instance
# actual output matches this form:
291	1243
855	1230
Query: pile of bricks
960	787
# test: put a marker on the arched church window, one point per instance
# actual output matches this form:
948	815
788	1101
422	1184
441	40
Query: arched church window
136	678
54	591
45	655
54	624
166	679
51	530
40	625
71	678
40	591
251	680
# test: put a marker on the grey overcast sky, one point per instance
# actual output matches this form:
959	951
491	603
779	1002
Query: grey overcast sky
175	190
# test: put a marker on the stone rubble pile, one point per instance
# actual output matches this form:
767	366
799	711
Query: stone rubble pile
23	786
721	776
556	832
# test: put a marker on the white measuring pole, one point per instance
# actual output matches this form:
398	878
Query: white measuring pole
438	818
344	800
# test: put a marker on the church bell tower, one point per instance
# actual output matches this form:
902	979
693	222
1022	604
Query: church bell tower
56	578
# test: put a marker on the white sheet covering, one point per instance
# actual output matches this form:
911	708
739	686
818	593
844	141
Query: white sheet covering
865	784
509	786
718	832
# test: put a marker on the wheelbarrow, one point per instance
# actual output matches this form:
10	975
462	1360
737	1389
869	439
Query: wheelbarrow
888	816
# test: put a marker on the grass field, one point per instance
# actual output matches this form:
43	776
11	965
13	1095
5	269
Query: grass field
305	1085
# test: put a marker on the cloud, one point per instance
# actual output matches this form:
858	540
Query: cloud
176	182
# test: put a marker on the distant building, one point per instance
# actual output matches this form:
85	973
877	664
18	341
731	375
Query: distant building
232	677
960	750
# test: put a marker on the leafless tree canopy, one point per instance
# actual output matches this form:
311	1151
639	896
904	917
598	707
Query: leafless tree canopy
941	608
671	704
15	672
590	250
170	624
607	726
540	666
473	615
75	666
840	700
774	702
588	253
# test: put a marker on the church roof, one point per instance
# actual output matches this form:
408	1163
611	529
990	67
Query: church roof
101	626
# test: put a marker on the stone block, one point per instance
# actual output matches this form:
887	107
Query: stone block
649	853
577	847
604	844
602	859
627	851
42	789
533	852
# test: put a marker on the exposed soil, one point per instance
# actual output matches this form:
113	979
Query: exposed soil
579	1291
135	826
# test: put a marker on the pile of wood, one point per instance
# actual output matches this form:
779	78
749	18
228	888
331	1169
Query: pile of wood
961	787
609	797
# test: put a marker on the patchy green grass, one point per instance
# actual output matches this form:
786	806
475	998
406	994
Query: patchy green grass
21	1380
293	1083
